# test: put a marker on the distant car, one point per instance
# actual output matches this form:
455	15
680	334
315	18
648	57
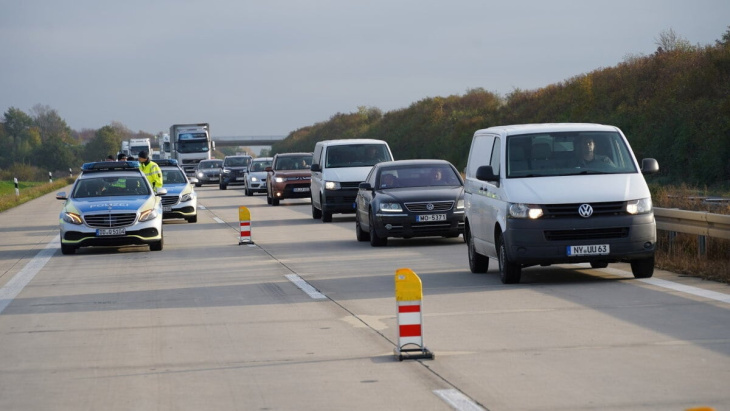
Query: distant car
256	175
111	204
181	201
288	177
410	198
234	170
207	172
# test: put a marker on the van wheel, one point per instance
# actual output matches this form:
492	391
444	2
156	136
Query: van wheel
599	264
509	272
326	217
375	239
643	268
359	233
316	213
477	262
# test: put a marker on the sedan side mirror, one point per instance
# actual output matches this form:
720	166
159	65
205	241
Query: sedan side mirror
61	196
365	186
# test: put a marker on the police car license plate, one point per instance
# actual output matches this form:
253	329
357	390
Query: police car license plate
578	250
166	209
100	232
430	217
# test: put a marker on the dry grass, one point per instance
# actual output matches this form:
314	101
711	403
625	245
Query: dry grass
8	201
681	253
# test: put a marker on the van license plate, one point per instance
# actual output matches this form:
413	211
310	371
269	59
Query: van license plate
577	250
110	231
430	217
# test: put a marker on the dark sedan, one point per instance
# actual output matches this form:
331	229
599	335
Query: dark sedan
410	198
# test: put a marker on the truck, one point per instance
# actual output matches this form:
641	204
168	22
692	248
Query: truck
125	148
190	144
165	149
140	144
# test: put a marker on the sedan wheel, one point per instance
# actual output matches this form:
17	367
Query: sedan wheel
375	239
359	233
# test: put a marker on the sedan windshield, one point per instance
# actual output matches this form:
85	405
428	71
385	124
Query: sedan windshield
173	176
236	161
420	176
111	186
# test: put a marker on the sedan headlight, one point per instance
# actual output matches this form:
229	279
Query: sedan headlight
391	207
254	179
72	218
332	185
226	171
641	206
460	204
148	215
200	175
185	197
520	210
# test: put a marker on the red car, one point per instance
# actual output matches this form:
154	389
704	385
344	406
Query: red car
288	177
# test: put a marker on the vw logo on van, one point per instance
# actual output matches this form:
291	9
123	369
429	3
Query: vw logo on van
585	210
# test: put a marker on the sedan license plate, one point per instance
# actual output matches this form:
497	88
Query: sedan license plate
301	189
100	232
240	178
430	217
578	250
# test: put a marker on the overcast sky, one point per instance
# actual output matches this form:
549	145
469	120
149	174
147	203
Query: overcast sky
269	67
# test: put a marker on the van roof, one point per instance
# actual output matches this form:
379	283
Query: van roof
351	141
546	127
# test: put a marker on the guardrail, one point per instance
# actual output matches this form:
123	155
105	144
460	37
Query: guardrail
693	222
701	223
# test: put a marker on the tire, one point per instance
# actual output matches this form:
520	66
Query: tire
326	217
359	233
268	199
477	263
375	239
222	186
193	219
198	185
67	249
248	193
509	272
156	246
643	268
316	212
599	264
274	201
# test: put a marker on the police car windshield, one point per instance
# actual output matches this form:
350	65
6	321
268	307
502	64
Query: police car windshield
105	186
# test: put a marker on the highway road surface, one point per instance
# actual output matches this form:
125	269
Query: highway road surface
305	319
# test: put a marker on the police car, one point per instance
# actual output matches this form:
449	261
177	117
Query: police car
181	201
111	204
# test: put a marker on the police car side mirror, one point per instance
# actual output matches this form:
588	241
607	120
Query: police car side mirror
61	196
161	192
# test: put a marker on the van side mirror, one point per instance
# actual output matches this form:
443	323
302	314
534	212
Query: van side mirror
315	167
485	173
649	166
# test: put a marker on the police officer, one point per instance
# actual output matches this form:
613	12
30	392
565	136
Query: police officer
150	169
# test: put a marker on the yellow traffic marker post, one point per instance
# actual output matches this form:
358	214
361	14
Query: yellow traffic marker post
244	217
408	296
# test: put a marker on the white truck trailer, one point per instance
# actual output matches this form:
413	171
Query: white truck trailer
189	144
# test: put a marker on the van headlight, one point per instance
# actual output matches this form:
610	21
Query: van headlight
521	210
332	185
147	215
641	206
391	207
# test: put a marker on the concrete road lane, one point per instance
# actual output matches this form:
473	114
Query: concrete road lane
208	324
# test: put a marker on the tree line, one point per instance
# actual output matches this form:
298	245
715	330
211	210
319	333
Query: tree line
673	105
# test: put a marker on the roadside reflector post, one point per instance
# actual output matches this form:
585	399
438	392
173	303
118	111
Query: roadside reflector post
17	191
244	217
408	297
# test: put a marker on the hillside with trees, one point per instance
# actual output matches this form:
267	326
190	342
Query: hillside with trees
673	105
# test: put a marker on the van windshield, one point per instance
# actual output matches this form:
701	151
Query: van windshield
356	155
567	153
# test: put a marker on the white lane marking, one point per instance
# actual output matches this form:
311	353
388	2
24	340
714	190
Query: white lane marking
201	207
16	284
218	220
457	400
700	292
305	286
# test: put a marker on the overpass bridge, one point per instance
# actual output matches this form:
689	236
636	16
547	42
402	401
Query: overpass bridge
245	141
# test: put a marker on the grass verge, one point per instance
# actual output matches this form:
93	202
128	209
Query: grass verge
28	191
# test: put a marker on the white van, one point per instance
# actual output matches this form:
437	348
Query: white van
338	168
543	194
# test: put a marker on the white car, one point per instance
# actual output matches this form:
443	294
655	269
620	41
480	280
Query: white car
256	175
111	204
181	201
